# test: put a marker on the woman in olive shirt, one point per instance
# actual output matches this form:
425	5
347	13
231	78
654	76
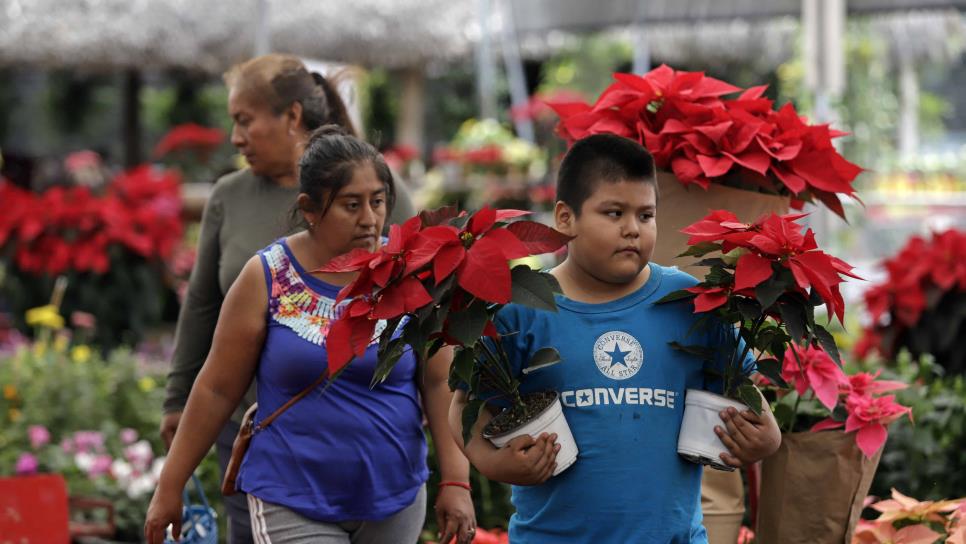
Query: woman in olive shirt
274	102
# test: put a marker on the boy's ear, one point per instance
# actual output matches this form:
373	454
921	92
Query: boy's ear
564	218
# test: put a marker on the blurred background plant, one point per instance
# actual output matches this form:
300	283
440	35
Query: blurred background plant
68	409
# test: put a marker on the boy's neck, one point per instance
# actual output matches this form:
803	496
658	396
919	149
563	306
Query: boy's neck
580	286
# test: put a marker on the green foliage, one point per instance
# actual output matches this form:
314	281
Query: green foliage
126	300
70	389
587	66
925	458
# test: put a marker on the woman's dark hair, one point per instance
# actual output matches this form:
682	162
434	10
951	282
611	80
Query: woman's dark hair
281	80
329	161
601	158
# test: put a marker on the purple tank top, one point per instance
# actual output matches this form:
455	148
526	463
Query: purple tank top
352	453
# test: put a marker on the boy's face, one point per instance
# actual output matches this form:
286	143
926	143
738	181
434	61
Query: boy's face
615	231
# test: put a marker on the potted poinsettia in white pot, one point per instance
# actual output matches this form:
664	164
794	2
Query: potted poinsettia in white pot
765	280
441	278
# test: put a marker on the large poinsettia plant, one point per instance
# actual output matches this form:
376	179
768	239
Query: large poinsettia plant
442	276
921	303
765	279
684	121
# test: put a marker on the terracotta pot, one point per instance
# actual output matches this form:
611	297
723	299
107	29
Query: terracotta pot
812	489
679	206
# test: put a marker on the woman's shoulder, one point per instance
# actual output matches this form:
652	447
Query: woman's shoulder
239	181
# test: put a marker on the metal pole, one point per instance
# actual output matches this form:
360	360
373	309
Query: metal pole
642	53
485	72
263	28
514	70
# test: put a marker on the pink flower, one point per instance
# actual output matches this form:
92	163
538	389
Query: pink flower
815	369
866	384
85	441
39	436
869	416
100	466
26	464
67	445
128	436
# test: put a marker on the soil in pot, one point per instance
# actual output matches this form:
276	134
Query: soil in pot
515	417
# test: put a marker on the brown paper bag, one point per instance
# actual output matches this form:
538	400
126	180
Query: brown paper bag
812	489
679	206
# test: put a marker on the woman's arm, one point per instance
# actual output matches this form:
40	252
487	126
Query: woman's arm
223	380
454	504
196	321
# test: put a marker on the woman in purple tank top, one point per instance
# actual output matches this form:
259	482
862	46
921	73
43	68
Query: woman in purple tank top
347	465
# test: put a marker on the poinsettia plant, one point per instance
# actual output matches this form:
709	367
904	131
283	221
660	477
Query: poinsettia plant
921	304
442	276
823	396
765	279
703	138
904	519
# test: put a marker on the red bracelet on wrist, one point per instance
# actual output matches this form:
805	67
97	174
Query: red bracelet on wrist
464	485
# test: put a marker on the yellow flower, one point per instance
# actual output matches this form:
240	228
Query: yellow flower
45	316
40	348
9	391
14	415
147	384
60	343
80	354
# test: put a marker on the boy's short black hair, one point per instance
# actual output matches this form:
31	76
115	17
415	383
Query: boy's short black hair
601	157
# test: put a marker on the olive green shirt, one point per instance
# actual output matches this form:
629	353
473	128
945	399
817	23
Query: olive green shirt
244	214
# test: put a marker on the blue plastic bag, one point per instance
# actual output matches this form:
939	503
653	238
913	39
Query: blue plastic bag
199	523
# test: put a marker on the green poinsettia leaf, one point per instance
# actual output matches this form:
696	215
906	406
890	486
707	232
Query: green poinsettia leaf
387	361
828	343
675	295
772	369
793	315
768	291
749	395
701	249
698	350
467	325
533	289
541	359
471	413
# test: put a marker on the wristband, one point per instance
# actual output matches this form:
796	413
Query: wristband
464	485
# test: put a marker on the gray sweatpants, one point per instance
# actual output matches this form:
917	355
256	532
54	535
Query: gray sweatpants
274	524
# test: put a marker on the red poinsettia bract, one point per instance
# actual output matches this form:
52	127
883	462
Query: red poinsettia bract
189	137
682	119
70	228
395	280
771	243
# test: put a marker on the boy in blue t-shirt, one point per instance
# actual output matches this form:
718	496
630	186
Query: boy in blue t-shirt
622	386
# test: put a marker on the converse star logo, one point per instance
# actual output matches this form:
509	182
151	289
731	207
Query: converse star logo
618	355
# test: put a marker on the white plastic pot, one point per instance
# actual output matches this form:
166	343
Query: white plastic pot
697	441
551	420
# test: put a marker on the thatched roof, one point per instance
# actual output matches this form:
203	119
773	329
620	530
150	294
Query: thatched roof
210	35
766	43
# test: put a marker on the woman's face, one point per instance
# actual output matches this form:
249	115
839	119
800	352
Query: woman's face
268	141
356	216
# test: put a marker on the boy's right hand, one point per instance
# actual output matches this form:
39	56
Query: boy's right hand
525	460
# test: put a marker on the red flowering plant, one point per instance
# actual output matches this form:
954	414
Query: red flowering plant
111	246
766	283
190	137
684	121
442	277
921	305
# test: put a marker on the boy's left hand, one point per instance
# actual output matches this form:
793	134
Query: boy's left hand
748	437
